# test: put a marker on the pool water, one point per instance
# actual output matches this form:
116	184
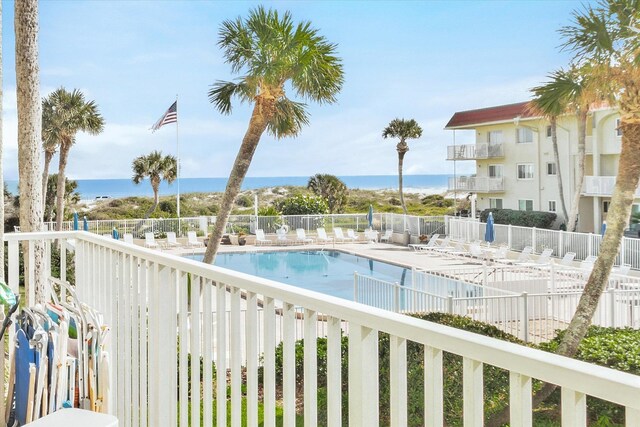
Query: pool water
328	272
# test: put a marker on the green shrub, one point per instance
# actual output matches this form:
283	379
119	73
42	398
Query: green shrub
536	219
244	200
168	206
437	201
303	205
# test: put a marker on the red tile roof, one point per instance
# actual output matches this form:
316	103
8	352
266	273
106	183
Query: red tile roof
488	115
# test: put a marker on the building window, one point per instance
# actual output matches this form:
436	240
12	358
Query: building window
494	137
495	203
525	205
605	206
524	136
548	131
618	129
552	206
495	171
552	168
525	171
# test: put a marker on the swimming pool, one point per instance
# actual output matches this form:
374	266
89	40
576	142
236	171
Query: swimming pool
327	271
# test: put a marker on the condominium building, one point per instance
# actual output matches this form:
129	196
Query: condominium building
516	168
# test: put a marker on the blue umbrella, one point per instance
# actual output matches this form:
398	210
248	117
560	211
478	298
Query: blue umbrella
85	224
370	216
603	228
489	232
115	234
75	221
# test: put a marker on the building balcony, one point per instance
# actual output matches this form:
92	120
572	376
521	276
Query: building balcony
481	150
476	184
600	186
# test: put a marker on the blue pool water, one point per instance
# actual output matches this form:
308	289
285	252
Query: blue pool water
329	272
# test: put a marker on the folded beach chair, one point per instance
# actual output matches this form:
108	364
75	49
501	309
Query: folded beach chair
352	235
150	241
260	238
322	236
301	237
128	238
171	240
338	235
420	246
192	240
386	237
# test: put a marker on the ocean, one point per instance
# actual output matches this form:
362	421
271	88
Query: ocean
93	188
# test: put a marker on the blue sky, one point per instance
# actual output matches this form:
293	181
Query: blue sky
421	60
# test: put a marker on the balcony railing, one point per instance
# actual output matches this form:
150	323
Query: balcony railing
600	186
481	150
152	299
476	184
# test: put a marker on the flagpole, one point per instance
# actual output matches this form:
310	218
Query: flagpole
178	161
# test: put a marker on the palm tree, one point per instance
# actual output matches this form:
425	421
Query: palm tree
29	137
269	51
403	129
331	188
50	140
70	114
157	168
550	101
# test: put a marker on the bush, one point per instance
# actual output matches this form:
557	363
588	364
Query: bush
303	205
244	200
536	219
437	201
168	206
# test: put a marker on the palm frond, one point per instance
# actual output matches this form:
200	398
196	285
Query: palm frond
592	34
289	119
403	129
221	93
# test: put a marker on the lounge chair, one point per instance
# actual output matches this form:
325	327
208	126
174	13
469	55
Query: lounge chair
192	240
322	236
150	241
261	239
523	258
567	259
543	259
281	237
128	238
352	235
443	246
386	237
420	246
301	237
338	235
171	241
623	270
370	235
588	262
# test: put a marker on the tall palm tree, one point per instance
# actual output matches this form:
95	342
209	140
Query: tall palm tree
29	137
403	129
50	138
269	51
157	168
71	114
550	100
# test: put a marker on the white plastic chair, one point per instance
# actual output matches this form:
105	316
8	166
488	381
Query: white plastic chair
150	241
171	240
420	246
338	235
352	235
281	237
386	237
192	240
301	236
128	238
322	236
261	239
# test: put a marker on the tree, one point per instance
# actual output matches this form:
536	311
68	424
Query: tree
157	168
330	188
403	129
71	196
269	51
50	140
29	136
550	101
70	114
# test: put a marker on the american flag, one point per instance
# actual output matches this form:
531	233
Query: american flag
170	116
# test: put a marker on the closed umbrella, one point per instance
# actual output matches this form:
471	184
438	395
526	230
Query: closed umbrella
489	232
115	234
75	221
370	216
603	228
85	224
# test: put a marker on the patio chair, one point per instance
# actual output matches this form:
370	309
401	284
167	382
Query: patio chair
171	241
370	235
623	270
475	251
281	237
420	246
150	241
322	235
128	238
386	237
543	259
261	239
567	259
588	262
338	235
456	250
192	240
443	246
301	237
352	235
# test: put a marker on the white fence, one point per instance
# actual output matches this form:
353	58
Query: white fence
146	297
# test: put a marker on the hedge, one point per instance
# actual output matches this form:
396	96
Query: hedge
536	219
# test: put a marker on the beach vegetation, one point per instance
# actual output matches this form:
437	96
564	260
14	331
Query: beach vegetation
65	114
332	189
403	130
269	51
302	205
71	195
157	168
537	219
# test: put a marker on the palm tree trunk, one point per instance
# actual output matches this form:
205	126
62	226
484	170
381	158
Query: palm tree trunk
29	136
262	112
556	156
62	165
48	155
402	150
582	135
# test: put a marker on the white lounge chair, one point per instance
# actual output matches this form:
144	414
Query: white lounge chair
171	241
352	235
192	240
623	270
150	241
281	237
370	235
588	262
261	239
523	258
338	235
301	237
543	259
386	237
567	259
443	246
420	246
322	236
128	238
